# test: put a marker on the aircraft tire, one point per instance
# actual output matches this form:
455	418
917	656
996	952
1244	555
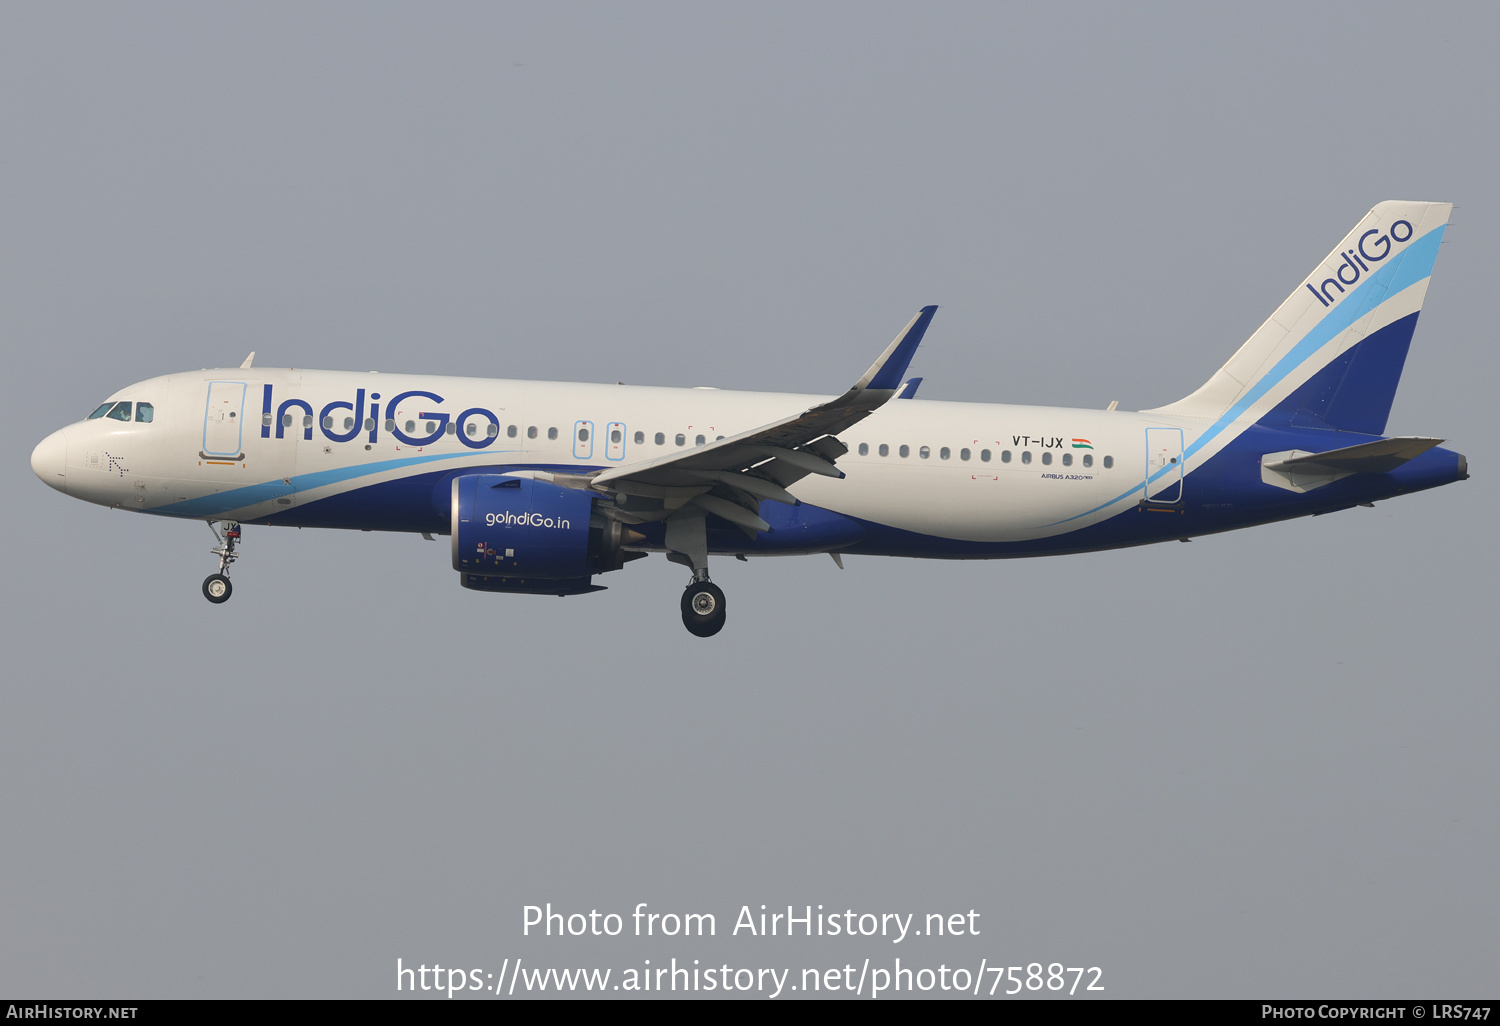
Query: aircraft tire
703	609
216	588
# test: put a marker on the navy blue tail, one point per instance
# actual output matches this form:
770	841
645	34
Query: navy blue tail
1355	391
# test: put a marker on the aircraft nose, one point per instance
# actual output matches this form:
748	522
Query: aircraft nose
49	460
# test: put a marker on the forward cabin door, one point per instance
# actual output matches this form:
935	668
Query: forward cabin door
1164	465
224	420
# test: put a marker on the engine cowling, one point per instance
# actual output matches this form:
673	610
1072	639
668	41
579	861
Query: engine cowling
517	534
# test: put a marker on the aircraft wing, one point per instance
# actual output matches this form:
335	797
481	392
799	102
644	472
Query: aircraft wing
730	477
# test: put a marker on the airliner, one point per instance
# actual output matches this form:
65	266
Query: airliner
544	486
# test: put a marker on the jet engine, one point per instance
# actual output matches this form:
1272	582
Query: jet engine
517	534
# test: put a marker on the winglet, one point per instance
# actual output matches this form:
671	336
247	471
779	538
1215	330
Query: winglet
886	373
909	391
248	361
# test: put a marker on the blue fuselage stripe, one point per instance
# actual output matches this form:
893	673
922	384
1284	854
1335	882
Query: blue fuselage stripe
251	495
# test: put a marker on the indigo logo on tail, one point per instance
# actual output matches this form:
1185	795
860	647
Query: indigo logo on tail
1357	261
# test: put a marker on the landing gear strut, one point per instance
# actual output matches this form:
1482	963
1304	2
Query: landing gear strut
216	587
703	607
702	602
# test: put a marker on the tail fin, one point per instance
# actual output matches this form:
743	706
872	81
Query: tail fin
1331	355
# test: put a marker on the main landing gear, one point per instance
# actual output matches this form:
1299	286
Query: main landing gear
702	602
216	587
703	607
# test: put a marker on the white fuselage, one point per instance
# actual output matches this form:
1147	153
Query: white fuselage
968	471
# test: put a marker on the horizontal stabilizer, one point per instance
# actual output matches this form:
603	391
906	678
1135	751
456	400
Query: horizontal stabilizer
1370	458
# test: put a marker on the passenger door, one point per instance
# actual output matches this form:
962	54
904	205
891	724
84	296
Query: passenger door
1164	465
223	420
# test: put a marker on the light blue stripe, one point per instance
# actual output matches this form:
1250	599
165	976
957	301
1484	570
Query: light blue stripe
1410	266
251	495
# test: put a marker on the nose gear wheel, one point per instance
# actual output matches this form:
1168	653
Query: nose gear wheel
216	587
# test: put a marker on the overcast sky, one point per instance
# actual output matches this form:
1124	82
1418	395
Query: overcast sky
1259	765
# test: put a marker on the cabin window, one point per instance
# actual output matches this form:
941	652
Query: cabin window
963	454
531	431
583	434
1046	459
905	451
864	448
450	428
120	412
660	439
1005	456
1088	461
390	425
924	452
681	438
552	434
1067	459
1109	462
699	440
286	421
307	421
328	423
944	453
1026	456
640	437
411	426
885	450
370	425
431	426
984	455
510	432
471	429
493	430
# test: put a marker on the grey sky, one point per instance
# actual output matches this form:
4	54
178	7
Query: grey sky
1259	764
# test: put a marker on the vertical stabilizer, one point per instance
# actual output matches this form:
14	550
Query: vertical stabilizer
1332	353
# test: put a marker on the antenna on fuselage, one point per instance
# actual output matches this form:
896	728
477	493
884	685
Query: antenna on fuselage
248	361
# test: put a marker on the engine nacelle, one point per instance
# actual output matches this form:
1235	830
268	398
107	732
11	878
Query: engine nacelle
517	534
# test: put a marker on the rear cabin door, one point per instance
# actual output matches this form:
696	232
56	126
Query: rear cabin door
1164	465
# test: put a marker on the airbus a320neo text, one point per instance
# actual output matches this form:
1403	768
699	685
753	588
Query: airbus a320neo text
543	487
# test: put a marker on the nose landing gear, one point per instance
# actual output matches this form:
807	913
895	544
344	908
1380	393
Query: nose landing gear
216	587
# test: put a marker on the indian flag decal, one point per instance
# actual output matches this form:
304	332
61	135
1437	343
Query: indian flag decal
1082	443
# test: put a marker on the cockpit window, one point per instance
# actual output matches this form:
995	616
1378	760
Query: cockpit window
101	411
120	412
144	412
